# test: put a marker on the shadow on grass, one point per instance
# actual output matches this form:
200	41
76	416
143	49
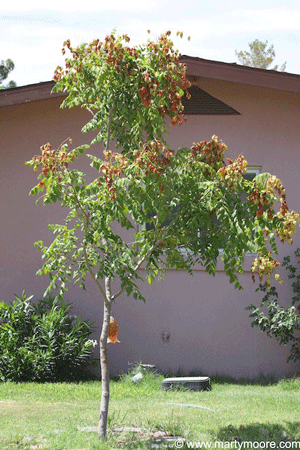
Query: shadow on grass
260	380
261	432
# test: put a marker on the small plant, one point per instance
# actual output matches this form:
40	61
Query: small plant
283	324
42	342
149	379
290	384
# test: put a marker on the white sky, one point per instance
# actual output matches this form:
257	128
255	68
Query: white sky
32	35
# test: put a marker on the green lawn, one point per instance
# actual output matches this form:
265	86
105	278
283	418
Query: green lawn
64	416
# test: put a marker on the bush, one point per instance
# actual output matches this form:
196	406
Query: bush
289	384
283	324
43	342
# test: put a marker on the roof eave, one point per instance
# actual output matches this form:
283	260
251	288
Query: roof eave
196	67
28	93
272	79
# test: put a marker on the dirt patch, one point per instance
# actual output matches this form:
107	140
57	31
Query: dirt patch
154	438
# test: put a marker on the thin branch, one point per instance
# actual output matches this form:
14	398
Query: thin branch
89	109
111	107
87	216
94	276
107	294
79	204
141	261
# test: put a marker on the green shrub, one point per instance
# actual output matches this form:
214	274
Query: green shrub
283	324
290	384
43	342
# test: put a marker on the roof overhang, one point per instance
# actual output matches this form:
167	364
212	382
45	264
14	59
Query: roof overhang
196	68
28	93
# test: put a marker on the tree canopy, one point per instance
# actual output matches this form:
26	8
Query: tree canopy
260	56
5	68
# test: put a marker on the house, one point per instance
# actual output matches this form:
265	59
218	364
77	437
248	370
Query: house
197	322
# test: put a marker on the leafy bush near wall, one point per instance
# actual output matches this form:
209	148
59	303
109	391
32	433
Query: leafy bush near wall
274	319
43	342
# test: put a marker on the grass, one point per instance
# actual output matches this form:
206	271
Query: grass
64	416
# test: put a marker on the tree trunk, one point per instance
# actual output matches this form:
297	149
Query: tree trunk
104	333
104	364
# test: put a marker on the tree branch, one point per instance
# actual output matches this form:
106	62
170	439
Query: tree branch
94	276
111	107
138	265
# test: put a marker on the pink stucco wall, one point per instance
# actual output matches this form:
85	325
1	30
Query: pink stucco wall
205	317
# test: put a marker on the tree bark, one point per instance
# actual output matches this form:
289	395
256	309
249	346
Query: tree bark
104	333
104	363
